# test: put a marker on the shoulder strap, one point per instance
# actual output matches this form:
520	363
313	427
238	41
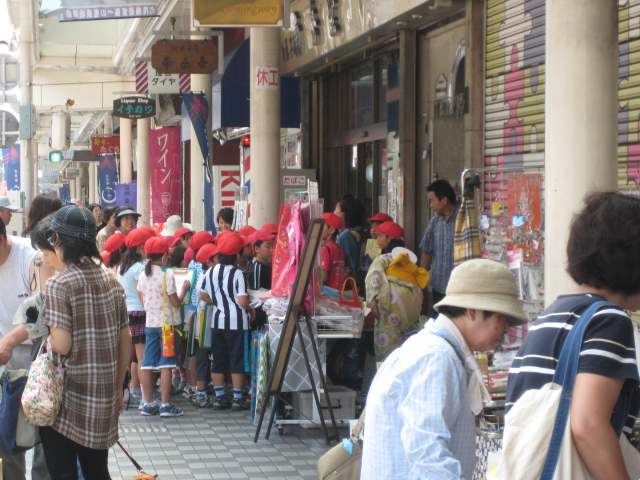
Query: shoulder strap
358	428
565	375
460	357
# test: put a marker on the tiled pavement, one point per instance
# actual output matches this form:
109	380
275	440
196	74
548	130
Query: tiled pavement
204	444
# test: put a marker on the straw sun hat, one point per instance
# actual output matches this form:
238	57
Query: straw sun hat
485	285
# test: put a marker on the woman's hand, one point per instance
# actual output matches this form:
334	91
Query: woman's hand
120	401
374	308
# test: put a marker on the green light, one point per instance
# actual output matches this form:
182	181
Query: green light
55	157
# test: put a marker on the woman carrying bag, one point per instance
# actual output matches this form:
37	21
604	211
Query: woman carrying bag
603	259
87	317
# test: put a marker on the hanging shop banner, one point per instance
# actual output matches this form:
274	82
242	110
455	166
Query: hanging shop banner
105	145
134	107
149	80
65	194
11	157
164	165
198	108
127	194
237	13
184	56
107	178
83	10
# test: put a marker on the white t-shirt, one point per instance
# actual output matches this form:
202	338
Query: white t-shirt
154	297
128	281
15	284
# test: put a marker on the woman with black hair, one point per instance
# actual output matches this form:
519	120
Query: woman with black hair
351	211
41	206
87	317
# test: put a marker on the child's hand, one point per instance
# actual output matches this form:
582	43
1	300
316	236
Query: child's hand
374	308
186	286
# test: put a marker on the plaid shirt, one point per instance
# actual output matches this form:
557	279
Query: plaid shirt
418	422
438	240
87	301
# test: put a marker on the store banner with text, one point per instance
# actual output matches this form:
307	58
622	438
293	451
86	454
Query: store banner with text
108	179
65	194
11	157
164	166
127	194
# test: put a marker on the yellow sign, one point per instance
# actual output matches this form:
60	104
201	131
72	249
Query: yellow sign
214	13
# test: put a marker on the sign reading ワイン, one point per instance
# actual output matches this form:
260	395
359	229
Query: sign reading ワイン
267	78
134	107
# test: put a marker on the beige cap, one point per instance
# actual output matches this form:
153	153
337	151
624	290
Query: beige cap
485	285
173	223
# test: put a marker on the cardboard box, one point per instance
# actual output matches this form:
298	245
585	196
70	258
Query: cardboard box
343	403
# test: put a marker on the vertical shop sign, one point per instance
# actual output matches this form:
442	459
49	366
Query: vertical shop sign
164	154
107	178
65	194
127	194
11	157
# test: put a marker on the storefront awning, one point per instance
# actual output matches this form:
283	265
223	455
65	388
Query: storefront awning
230	100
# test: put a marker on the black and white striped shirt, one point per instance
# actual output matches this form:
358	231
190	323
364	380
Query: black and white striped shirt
608	348
224	283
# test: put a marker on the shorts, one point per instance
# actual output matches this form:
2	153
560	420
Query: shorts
137	322
230	350
153	358
203	365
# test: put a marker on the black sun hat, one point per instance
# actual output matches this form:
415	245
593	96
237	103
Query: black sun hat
74	221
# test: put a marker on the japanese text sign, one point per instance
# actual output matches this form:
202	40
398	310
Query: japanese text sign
237	13
134	107
184	56
105	145
164	159
267	78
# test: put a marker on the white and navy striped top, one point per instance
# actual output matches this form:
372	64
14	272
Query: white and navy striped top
608	348
224	283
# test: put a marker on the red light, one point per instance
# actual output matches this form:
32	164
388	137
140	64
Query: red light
246	141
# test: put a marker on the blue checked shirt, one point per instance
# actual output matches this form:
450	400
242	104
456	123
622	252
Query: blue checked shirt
438	240
418	423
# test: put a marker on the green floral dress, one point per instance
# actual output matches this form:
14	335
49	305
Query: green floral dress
399	305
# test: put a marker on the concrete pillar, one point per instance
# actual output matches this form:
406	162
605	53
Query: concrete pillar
93	187
199	83
143	179
85	183
126	150
27	159
581	107
265	128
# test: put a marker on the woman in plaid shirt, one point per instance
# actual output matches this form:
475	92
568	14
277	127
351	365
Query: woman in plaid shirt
87	317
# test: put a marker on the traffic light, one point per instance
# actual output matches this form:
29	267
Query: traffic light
55	157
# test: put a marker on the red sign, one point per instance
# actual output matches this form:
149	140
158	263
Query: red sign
105	145
164	166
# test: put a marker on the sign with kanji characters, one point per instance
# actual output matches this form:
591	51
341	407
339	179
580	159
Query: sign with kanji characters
267	78
127	194
149	80
294	180
184	56
107	180
134	107
83	10
237	13
164	165
105	145
71	173
11	157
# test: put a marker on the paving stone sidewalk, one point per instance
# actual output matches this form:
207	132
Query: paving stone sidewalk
204	444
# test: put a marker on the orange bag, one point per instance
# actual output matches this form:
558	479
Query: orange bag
168	341
351	303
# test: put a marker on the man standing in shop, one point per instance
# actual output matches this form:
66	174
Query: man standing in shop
16	271
437	241
422	404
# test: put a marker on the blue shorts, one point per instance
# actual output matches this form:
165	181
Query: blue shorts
153	358
230	351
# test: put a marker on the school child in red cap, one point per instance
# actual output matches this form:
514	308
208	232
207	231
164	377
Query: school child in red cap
157	290
225	287
334	267
390	236
372	249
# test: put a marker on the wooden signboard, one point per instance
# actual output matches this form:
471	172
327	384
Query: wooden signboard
237	13
184	56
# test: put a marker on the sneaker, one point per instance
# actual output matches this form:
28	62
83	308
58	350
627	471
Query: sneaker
188	392
143	403
150	409
218	404
201	400
239	404
170	410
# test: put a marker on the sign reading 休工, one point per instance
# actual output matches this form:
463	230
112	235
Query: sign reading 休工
134	107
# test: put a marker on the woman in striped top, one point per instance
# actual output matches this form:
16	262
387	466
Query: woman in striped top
603	259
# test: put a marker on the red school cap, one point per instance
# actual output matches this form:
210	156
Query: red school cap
231	244
182	231
206	252
333	220
171	240
263	236
247	231
390	228
138	237
270	227
105	256
381	217
200	239
114	242
156	245
188	255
